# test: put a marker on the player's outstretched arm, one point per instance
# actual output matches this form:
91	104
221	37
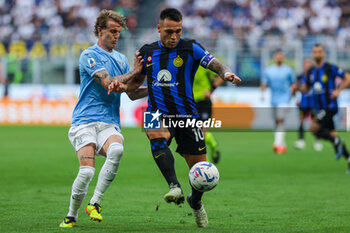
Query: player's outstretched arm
223	71
103	78
138	93
120	87
344	85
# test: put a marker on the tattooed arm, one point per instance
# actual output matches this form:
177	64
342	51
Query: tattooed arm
130	87
103	78
223	71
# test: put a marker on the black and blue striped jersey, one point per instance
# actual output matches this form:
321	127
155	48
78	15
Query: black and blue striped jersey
306	100
322	81
170	74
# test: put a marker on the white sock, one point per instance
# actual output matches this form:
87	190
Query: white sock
79	189
108	171
280	135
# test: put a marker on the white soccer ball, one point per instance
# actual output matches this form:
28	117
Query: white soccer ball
204	176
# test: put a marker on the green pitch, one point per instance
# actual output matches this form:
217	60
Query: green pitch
301	191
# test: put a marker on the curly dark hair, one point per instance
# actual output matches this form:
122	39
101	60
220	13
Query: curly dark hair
104	16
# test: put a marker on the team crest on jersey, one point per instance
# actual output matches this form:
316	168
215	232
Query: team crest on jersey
178	61
120	62
92	63
164	76
149	58
324	78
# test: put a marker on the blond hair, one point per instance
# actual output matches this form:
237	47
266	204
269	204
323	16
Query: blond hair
104	16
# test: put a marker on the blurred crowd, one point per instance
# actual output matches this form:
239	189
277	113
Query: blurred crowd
254	20
58	20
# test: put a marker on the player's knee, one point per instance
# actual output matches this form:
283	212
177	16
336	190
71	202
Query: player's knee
158	144
115	153
86	173
83	179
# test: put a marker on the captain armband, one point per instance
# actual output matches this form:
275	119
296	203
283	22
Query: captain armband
205	61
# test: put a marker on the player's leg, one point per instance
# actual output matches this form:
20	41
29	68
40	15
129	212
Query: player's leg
300	143
83	139
81	183
191	145
195	197
165	161
280	143
110	144
323	127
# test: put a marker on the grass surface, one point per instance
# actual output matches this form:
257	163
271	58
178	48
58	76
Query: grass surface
301	191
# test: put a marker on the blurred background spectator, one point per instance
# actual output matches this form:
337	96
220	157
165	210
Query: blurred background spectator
243	32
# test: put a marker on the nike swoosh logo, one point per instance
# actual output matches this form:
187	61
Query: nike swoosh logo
200	149
157	156
148	65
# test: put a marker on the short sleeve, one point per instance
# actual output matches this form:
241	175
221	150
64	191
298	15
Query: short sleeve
126	66
308	79
199	53
340	72
302	79
91	62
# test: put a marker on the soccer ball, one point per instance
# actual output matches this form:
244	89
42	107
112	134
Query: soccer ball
204	176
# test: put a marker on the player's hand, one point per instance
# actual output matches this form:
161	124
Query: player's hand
231	77
335	94
138	62
117	87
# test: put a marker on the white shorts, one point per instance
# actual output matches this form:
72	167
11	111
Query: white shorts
94	132
280	112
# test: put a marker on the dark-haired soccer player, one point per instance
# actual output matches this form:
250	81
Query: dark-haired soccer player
306	106
321	80
279	78
170	66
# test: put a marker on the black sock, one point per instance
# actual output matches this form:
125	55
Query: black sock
196	199
325	134
301	131
164	159
345	151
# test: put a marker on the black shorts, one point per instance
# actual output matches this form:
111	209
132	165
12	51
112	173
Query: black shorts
306	112
190	140
325	119
204	108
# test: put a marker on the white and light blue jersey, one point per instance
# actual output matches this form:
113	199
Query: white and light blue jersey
94	103
279	79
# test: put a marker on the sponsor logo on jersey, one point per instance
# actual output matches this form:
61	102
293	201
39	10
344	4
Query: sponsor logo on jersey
164	76
163	79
